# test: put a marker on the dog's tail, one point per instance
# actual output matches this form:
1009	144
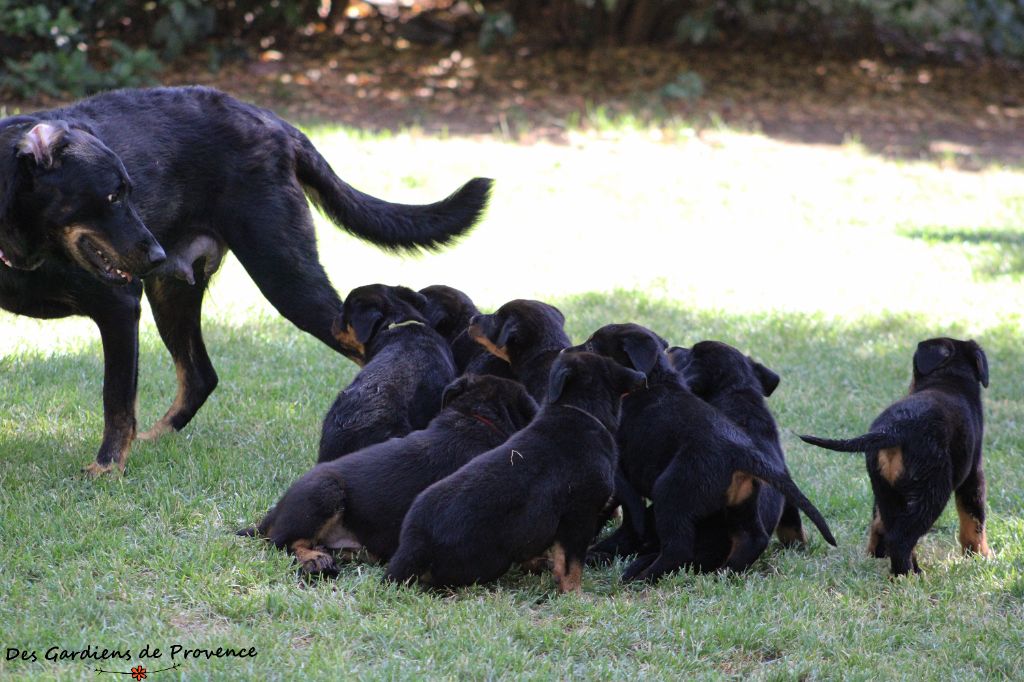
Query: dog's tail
393	227
261	529
876	440
781	481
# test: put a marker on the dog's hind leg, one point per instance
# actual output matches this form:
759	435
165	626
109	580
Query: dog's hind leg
177	311
278	250
970	506
790	530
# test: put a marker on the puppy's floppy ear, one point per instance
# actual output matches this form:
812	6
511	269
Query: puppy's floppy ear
365	323
628	380
679	357
980	363
769	379
560	374
642	351
413	298
455	389
508	332
42	142
931	355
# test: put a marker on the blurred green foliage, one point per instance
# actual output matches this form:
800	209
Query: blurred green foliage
76	47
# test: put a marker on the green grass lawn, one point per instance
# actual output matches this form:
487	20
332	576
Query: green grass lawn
827	264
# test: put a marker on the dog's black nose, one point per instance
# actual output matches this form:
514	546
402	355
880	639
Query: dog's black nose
156	255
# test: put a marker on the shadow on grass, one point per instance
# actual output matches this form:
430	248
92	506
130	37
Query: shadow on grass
277	383
992	252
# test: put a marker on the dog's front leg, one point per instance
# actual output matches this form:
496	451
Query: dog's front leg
119	332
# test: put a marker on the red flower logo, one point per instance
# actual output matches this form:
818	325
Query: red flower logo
138	673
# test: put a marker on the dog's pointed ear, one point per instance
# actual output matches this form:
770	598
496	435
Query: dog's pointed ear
560	374
980	363
455	389
643	351
365	324
42	142
931	355
413	298
769	379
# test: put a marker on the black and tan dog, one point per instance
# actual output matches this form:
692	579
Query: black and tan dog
449	311
528	335
922	449
94	197
688	459
358	502
542	489
737	386
406	366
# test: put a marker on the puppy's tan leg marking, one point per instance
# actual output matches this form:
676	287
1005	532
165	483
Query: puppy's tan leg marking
973	538
740	490
568	573
790	536
890	463
875	533
573	580
313	560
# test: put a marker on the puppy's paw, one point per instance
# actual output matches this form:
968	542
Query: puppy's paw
161	428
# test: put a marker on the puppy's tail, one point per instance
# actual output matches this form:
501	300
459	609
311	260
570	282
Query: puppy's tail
393	227
875	440
261	529
781	481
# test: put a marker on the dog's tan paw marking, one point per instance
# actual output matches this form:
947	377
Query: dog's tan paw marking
158	430
94	470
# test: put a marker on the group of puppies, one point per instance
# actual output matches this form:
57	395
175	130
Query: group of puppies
471	442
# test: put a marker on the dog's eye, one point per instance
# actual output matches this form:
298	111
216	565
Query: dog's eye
112	198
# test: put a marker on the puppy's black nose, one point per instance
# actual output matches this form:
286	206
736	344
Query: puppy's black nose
156	255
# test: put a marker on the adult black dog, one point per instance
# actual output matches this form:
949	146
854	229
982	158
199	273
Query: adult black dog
359	501
528	335
923	448
92	195
542	489
449	311
406	366
737	386
683	455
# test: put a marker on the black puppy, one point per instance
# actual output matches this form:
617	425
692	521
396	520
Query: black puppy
449	311
736	386
406	365
923	448
544	488
359	501
688	459
528	335
91	196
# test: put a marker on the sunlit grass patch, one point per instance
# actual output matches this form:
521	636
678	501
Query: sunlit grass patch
807	258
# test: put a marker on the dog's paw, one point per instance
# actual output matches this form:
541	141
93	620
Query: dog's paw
161	428
94	469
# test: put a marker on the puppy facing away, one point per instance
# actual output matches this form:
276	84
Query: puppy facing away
542	489
358	501
737	386
528	335
449	311
691	462
923	448
134	190
405	367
